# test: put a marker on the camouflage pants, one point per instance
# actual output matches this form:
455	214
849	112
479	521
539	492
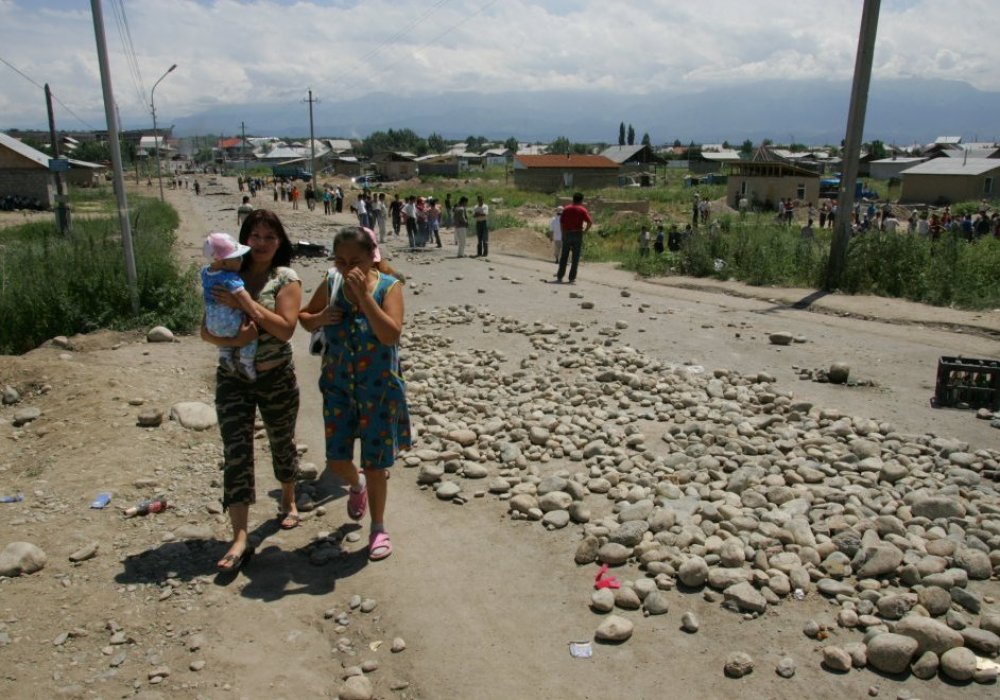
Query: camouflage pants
276	393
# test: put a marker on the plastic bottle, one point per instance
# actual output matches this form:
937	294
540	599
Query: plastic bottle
155	505
16	498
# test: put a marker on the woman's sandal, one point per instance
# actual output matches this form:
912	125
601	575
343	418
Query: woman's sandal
357	503
289	521
379	546
235	562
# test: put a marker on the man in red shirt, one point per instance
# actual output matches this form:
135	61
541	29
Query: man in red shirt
575	221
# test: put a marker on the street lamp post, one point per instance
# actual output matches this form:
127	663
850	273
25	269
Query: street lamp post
156	133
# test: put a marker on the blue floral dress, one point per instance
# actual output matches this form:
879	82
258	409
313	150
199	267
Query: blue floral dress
364	395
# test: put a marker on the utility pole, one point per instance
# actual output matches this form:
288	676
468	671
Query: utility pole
852	143
312	139
243	146
116	153
62	208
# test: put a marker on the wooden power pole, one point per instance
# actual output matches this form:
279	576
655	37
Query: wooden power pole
852	144
116	153
62	206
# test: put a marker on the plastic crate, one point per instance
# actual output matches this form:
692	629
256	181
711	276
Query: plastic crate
964	380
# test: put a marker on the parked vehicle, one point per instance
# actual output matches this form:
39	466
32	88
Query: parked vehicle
291	172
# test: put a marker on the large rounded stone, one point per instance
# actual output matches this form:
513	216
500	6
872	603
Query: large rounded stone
836	659
934	507
629	533
936	600
586	551
656	603
356	688
614	629
194	415
21	558
839	372
738	664
958	664
929	634
877	560
602	601
555	500
926	667
891	653
160	334
614	554
693	572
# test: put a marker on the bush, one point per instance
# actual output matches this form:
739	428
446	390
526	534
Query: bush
947	272
53	285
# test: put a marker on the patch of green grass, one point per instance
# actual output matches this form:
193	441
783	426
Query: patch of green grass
947	272
59	285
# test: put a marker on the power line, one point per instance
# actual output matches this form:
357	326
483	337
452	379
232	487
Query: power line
128	49
446	31
42	87
399	34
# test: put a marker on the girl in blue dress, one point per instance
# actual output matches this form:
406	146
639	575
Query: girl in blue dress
364	395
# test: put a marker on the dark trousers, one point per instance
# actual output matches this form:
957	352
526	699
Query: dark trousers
276	393
411	231
482	239
572	244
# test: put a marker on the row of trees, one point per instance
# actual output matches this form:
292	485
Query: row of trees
408	140
628	136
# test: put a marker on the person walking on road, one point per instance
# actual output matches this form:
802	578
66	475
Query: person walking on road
243	211
575	222
461	217
556	228
277	294
480	213
364	395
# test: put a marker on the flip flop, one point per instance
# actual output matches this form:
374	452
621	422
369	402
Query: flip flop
357	503
289	521
235	561
379	546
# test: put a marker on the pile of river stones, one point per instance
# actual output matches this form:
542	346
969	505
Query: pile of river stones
715	481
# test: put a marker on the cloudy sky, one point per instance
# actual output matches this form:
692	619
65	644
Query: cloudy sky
270	51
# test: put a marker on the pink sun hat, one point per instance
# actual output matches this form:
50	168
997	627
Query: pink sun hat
222	246
376	253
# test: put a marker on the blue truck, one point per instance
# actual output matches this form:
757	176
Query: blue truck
829	187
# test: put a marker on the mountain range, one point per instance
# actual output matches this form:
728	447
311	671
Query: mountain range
901	111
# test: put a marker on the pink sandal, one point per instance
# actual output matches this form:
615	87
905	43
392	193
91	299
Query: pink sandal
357	503
379	546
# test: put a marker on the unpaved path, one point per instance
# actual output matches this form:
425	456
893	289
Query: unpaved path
487	606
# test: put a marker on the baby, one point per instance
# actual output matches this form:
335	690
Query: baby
222	321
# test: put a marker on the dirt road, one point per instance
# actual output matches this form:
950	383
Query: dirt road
486	605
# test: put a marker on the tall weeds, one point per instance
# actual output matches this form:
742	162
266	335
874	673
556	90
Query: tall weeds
54	285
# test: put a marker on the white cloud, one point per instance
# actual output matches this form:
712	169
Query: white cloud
266	51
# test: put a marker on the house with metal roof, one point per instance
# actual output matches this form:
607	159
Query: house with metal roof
949	180
24	172
552	173
765	183
892	168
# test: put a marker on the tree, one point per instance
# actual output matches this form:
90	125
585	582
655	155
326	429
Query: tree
877	150
646	140
98	152
435	142
631	135
747	147
511	144
581	148
560	146
677	143
475	143
621	134
393	140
